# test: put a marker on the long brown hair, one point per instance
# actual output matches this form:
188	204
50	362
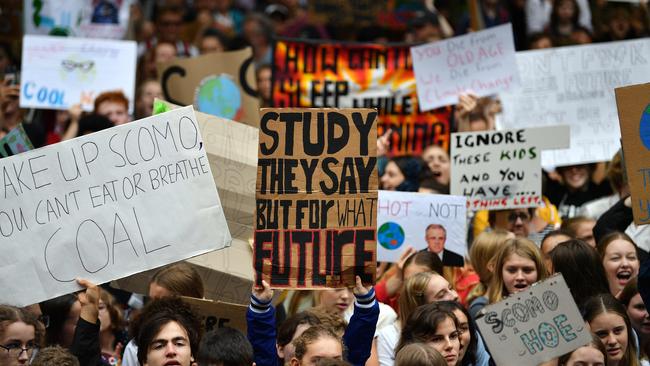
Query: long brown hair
522	247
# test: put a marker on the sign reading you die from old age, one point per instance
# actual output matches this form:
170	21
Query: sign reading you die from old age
534	326
316	221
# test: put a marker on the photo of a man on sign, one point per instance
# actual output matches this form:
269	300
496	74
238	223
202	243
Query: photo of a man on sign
436	236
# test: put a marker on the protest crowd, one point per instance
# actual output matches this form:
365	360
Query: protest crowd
448	295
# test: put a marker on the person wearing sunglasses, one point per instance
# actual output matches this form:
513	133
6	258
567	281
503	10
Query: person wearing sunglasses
522	222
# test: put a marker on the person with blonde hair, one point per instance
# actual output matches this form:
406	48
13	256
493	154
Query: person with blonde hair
481	252
420	289
419	354
517	265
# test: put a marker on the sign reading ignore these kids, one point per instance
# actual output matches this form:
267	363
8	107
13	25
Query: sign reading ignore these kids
105	206
316	197
497	170
533	326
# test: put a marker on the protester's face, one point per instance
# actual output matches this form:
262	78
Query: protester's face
463	332
446	341
621	264
586	356
104	317
439	289
336	300
638	314
264	83
210	44
516	221
150	91
565	10
164	52
552	242
427	33
619	27
437	160
392	177
70	325
518	273
158	292
116	112
169	26
575	176
585	232
287	352
612	331
436	240
17	335
324	347
413	269
171	346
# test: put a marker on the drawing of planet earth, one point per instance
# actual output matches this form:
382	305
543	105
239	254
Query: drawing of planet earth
218	95
644	127
390	235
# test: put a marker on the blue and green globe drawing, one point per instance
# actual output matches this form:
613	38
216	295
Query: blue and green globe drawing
644	127
218	95
390	235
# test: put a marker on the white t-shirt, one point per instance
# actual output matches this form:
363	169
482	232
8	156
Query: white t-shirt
130	357
386	342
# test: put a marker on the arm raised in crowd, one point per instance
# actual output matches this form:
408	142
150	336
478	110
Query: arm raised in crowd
360	332
260	321
85	344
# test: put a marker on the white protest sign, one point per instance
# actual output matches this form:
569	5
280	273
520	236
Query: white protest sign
58	72
575	86
403	219
78	18
483	62
497	170
105	206
533	326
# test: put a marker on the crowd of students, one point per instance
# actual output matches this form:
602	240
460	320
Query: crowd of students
421	310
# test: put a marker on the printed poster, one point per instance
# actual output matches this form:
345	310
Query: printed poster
348	75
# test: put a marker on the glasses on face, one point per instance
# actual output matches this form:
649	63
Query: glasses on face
518	215
15	349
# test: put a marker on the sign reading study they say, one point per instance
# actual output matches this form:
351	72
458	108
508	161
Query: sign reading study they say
483	62
497	170
534	326
316	197
105	206
58	72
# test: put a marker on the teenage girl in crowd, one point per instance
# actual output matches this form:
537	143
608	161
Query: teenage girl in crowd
21	335
608	320
639	318
619	257
517	265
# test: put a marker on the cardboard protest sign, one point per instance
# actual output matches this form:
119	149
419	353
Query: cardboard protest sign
220	83
78	18
483	62
15	142
231	148
320	74
575	86
316	197
416	219
58	72
217	314
106	205
634	117
535	325
497	170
